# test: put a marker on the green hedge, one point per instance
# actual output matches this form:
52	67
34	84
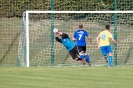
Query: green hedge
15	8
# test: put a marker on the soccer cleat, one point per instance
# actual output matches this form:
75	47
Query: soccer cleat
83	60
109	66
106	60
84	63
89	64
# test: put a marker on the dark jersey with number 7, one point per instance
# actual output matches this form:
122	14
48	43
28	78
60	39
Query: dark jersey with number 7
80	35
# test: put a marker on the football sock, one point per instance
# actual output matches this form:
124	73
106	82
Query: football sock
105	57
110	61
82	57
87	58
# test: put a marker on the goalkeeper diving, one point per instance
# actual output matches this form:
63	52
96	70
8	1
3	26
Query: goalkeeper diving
68	43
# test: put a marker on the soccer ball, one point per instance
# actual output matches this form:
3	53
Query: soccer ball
55	30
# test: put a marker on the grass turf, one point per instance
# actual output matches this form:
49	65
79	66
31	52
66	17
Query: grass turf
67	77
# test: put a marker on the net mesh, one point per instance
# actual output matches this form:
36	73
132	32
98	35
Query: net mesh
40	37
12	31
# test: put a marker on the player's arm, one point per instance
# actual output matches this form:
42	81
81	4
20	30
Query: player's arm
74	39
90	40
60	33
113	40
63	35
97	40
57	38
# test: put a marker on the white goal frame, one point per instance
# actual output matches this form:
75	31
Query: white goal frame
27	24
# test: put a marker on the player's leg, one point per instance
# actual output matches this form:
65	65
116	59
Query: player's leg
86	55
105	53
77	50
74	55
109	50
110	59
81	55
81	52
87	59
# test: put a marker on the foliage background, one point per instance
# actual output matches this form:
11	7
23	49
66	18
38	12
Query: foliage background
15	8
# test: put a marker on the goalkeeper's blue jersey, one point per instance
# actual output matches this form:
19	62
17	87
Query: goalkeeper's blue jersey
80	35
68	43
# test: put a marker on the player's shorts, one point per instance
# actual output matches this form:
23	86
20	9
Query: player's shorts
82	48
74	52
106	49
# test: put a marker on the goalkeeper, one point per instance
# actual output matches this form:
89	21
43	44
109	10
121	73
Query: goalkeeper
70	45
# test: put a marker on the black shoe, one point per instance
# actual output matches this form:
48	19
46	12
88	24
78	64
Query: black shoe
106	60
89	64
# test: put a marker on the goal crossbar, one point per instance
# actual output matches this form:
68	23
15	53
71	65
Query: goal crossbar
79	11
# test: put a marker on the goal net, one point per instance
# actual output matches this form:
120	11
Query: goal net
37	46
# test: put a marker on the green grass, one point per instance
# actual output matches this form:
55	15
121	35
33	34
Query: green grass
67	77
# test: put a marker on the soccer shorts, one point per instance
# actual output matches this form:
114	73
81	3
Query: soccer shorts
74	52
106	49
82	48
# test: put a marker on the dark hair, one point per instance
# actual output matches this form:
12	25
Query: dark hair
80	26
64	35
107	27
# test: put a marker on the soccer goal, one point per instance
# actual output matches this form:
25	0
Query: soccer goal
37	46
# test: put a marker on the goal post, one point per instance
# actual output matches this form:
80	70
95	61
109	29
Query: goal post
40	45
27	39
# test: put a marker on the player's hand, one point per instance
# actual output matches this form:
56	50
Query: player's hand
73	39
98	47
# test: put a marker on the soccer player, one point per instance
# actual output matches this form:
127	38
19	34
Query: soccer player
69	44
80	38
103	41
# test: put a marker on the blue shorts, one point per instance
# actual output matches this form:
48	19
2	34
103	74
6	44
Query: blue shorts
106	49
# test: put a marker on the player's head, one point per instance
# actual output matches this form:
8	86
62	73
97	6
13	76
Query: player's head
107	27
80	26
63	35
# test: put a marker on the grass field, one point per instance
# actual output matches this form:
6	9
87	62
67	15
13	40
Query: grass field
67	77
